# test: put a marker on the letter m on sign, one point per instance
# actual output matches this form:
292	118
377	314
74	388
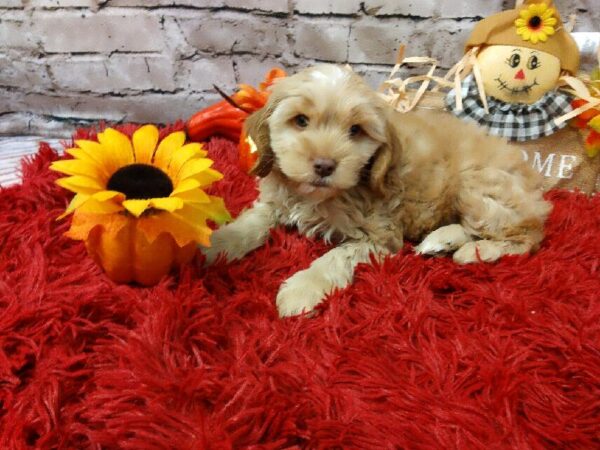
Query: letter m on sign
544	167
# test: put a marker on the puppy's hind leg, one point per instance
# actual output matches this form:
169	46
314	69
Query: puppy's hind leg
444	240
505	210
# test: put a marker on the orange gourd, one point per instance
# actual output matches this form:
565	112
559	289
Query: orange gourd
127	256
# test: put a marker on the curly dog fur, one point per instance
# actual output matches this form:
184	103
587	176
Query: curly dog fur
336	161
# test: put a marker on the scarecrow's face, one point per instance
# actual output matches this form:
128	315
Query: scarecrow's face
517	74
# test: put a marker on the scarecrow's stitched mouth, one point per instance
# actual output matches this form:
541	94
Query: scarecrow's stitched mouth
503	85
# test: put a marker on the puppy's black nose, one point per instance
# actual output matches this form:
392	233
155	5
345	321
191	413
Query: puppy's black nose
324	167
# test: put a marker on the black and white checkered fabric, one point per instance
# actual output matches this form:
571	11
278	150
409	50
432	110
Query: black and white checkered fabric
513	121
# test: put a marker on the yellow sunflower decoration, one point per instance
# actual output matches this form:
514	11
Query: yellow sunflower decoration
536	23
140	204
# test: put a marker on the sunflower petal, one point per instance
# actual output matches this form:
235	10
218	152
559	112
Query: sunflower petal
84	155
194	167
80	184
94	151
167	147
218	211
92	205
136	207
117	147
207	177
104	196
548	13
193	196
549	31
183	231
144	143
520	22
167	203
183	155
76	167
186	185
75	203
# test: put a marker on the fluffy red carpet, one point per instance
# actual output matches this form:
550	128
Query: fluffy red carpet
417	354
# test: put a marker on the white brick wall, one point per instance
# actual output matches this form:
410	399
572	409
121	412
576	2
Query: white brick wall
67	61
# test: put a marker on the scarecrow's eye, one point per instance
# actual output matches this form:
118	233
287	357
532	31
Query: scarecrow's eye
533	62
514	60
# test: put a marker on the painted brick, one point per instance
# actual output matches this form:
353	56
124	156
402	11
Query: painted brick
328	6
37	125
321	39
202	74
433	8
273	6
373	75
446	41
107	31
415	8
377	42
278	6
63	4
147	108
117	73
11	4
230	33
16	72
154	3
471	9
16	34
251	70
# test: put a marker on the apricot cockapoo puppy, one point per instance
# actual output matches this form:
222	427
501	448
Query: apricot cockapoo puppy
336	161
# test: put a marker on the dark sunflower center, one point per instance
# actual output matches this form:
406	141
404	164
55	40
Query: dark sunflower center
535	22
140	181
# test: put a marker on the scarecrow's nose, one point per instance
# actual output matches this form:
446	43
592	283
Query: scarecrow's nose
520	75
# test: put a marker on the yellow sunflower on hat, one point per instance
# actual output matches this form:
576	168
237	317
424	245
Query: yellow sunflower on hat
140	204
536	22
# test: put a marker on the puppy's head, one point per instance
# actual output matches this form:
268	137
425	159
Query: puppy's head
326	131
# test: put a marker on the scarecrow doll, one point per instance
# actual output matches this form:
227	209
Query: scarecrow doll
520	54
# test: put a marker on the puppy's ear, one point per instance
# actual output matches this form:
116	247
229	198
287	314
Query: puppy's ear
257	129
383	159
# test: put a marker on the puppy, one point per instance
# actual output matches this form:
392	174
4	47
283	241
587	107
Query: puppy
336	161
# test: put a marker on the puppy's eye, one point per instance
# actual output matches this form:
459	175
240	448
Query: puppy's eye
301	121
355	130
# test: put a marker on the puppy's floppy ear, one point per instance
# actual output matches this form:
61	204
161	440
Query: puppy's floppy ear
257	129
383	159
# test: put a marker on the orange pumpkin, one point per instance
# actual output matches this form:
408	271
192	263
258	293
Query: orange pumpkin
126	254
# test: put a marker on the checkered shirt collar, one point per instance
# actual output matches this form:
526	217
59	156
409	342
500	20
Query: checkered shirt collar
513	121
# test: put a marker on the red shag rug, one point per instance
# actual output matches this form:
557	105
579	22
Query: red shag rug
416	354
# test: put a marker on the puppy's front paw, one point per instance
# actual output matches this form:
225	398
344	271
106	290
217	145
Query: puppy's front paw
222	241
211	253
300	293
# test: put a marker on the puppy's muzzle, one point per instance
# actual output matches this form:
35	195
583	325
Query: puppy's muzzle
324	167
